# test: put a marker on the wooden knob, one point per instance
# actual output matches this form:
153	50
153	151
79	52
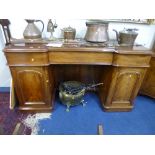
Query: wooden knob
32	59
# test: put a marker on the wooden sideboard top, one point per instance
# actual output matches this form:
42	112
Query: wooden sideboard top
133	50
107	49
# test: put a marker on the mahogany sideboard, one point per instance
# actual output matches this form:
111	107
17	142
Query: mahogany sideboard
148	85
38	69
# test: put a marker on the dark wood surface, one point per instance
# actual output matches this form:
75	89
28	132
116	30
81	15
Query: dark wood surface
37	71
148	85
34	87
124	85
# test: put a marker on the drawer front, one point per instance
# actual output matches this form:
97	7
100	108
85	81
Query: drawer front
28	59
131	60
98	58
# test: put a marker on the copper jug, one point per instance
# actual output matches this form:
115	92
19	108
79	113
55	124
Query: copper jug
32	31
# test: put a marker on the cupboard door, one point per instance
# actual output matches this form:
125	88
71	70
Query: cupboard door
148	86
32	86
126	84
124	87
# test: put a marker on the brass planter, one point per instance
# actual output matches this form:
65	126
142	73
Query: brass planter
68	98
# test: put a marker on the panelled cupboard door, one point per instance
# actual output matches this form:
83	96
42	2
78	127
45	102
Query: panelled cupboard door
32	86
124	86
148	86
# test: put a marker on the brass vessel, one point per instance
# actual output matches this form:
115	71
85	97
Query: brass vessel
72	92
69	33
69	98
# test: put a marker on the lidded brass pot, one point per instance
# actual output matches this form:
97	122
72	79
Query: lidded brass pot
31	31
69	33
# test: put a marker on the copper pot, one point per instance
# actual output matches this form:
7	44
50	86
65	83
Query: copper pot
97	32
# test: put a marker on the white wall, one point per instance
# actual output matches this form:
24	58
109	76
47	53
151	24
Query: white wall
145	37
4	70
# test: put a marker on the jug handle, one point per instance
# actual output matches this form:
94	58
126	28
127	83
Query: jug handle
41	22
117	35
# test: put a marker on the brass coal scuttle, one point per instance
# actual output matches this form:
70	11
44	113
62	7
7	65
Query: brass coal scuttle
71	93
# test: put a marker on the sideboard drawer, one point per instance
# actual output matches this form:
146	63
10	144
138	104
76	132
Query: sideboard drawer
28	59
74	57
129	60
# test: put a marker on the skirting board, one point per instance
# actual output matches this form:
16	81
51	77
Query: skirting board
4	89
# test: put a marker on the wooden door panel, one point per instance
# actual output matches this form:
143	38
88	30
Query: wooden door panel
148	86
151	79
124	86
126	83
31	86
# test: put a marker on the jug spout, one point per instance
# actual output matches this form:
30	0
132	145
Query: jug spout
117	35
